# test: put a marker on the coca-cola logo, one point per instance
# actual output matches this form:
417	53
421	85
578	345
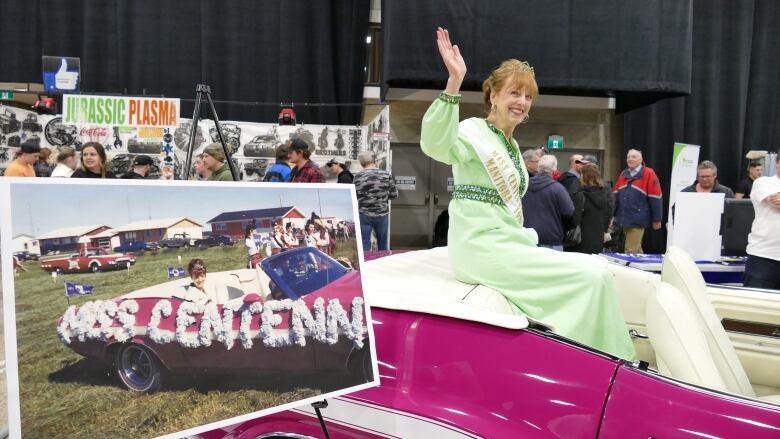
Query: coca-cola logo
93	132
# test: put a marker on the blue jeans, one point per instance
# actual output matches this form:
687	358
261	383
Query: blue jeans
762	273
377	224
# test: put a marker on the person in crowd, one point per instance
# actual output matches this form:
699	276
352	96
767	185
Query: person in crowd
595	210
487	242
707	181
762	269
42	166
65	162
277	238
305	170
196	290
199	168
340	171
755	170
214	160
312	236
531	159
325	243
280	171
94	163
23	165
374	188
571	178
253	253
142	166
289	237
638	202
547	206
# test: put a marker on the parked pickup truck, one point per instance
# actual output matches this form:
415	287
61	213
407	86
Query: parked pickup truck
91	259
135	246
176	241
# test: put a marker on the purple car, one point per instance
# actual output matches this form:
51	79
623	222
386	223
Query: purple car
455	363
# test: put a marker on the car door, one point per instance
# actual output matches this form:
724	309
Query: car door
751	319
643	404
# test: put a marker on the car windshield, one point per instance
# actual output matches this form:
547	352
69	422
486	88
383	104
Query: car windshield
301	272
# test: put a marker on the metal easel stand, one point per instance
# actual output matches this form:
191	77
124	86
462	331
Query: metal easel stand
201	90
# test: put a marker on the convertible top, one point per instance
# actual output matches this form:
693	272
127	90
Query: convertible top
422	281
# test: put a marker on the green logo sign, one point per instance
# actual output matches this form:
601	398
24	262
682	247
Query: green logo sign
6	95
555	142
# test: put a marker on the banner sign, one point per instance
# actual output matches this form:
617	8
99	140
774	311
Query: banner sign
684	163
176	272
120	110
252	145
72	289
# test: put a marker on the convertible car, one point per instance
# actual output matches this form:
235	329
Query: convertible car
299	312
455	363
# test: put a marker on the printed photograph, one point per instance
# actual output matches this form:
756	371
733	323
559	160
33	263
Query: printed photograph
179	306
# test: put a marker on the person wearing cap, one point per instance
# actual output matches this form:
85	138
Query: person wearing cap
305	171
571	178
214	160
23	165
142	166
279	172
340	171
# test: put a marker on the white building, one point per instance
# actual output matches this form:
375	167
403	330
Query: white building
26	243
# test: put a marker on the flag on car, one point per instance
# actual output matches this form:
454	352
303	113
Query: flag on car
176	272
72	289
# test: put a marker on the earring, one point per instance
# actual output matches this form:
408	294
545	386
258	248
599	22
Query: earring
493	109
527	116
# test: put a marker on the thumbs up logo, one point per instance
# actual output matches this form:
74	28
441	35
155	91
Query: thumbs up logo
64	79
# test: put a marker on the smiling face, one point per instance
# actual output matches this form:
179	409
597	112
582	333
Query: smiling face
633	159
511	104
198	279
91	159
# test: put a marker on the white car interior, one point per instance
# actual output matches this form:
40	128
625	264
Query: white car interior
221	287
675	318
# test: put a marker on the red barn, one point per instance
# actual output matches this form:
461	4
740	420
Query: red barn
233	224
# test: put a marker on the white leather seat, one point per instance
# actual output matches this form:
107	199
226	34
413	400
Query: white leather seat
686	334
680	271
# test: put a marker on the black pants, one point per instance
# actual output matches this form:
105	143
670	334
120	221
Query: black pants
762	273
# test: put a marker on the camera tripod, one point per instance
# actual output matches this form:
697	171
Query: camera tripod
201	90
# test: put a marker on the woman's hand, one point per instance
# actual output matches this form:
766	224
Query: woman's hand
456	66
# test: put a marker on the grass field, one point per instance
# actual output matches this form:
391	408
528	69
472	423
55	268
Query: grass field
66	395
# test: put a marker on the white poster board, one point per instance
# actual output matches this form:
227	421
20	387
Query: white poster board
697	224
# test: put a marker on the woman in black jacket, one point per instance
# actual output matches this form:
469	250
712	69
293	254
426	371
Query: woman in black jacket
594	204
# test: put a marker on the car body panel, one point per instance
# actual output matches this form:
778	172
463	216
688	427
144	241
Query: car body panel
651	406
214	240
133	246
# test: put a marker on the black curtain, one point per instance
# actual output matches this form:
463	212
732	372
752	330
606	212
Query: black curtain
636	50
246	50
733	106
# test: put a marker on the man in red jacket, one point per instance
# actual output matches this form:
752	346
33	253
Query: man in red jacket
638	201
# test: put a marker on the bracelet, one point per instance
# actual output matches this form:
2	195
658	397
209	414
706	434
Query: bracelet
448	98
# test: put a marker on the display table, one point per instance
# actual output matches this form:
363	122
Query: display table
727	270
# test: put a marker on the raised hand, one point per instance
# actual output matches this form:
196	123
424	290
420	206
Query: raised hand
456	66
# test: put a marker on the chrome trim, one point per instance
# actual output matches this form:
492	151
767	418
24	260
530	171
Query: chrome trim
633	333
283	434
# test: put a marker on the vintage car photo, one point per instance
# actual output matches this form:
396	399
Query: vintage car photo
211	325
92	260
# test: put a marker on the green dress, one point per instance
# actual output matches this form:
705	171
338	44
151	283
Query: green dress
487	245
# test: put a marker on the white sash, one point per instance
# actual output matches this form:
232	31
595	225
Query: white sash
498	165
